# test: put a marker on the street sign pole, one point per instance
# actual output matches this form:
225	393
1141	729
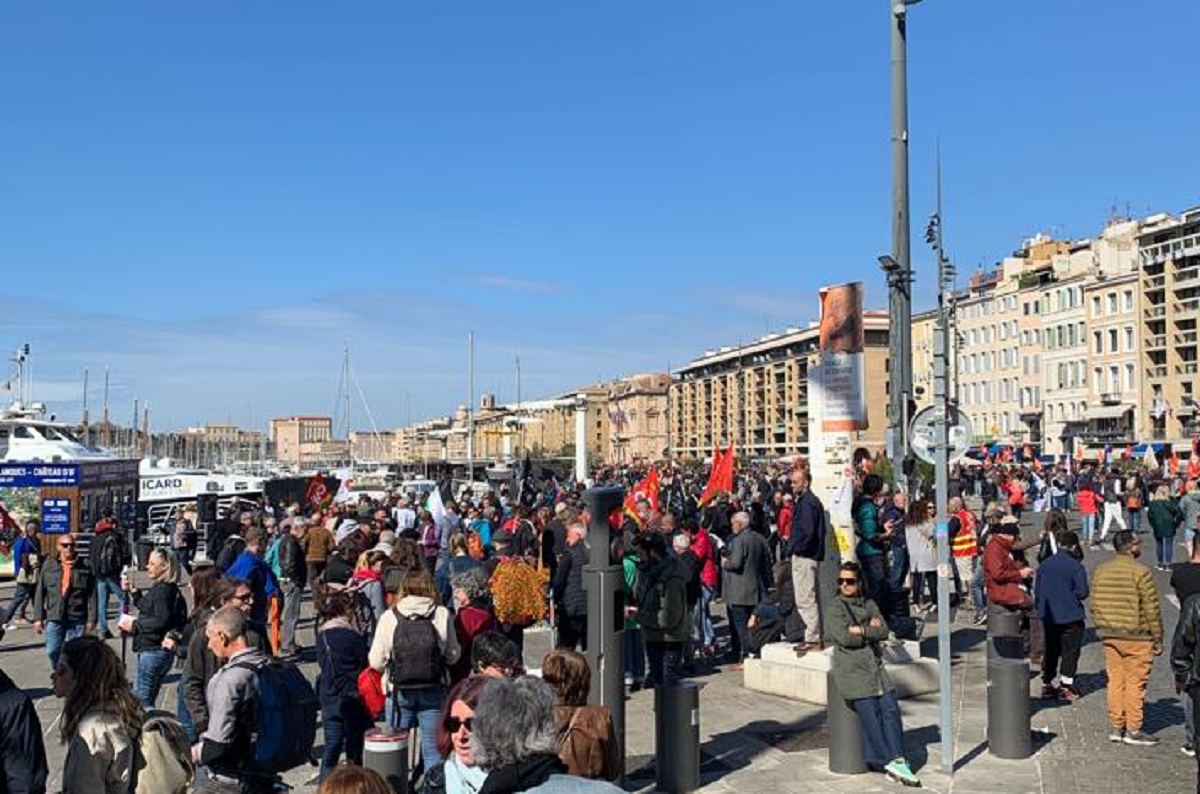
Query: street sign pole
941	348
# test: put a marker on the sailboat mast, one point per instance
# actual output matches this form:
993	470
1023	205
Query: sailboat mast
87	433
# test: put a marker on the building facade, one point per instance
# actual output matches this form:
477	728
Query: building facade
1169	256
307	441
755	396
637	419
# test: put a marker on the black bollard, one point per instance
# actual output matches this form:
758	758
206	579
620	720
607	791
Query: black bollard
1005	638
845	739
1008	729
605	585
677	737
386	752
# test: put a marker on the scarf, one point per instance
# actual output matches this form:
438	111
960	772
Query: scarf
515	778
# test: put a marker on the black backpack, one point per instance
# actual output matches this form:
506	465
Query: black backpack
233	546
416	655
113	556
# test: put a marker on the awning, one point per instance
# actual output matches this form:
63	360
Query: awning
1159	448
1107	412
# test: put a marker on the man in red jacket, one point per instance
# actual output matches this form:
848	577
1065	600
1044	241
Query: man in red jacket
1003	575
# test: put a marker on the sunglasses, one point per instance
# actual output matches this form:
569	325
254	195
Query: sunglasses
454	723
66	545
847	581
243	596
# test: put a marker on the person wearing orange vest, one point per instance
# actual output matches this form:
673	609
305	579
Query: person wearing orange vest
964	548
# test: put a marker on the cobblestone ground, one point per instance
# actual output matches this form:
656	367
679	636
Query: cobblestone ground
760	743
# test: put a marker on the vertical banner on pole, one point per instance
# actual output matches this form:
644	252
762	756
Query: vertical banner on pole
837	407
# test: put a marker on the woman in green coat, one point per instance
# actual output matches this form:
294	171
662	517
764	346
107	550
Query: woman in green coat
1165	517
856	628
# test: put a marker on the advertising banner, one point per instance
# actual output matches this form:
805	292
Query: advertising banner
843	378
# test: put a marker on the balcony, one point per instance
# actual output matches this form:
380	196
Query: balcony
1187	278
1187	368
1189	306
1156	342
1185	338
1159	371
1171	249
1155	283
1156	312
1110	398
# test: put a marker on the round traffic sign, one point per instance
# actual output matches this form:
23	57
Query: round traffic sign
922	440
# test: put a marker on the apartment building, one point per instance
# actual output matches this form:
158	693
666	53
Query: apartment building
1169	255
637	418
307	441
989	362
924	326
1064	363
755	396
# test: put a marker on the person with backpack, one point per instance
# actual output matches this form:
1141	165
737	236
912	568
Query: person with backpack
26	556
341	656
414	646
367	580
162	615
661	596
250	698
109	556
64	602
200	664
101	719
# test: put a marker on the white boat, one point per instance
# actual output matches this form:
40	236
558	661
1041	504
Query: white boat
28	434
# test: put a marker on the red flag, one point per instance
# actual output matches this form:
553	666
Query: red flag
1193	470
720	479
1129	452
646	489
317	492
1174	462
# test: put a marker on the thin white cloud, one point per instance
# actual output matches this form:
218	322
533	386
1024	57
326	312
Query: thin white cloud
522	285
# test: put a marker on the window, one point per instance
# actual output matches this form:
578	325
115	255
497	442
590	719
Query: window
1128	339
1097	380
1128	300
1128	377
1112	303
1114	379
1095	305
1097	342
1112	340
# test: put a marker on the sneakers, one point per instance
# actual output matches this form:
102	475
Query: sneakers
1188	750
10	626
1139	738
1116	734
898	771
980	619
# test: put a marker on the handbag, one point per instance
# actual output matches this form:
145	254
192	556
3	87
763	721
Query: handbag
370	691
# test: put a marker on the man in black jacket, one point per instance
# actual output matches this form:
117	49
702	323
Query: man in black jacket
570	599
1185	659
64	612
747	579
295	573
22	754
806	548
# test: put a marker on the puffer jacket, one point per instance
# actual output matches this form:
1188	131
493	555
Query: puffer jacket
1125	602
857	667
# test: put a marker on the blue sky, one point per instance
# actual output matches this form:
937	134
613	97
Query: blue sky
211	197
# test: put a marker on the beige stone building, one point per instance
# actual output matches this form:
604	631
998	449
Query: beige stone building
756	396
1169	255
381	447
637	419
924	326
988	342
307	441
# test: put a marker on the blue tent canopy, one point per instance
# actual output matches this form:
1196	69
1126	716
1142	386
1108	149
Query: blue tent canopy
1158	447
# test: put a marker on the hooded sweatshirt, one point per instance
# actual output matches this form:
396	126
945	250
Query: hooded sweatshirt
409	607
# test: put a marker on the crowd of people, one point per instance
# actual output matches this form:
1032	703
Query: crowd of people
421	608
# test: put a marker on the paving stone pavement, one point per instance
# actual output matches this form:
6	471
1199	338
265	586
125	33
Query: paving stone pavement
752	742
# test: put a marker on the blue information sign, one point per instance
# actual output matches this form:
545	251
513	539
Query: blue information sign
56	516
37	475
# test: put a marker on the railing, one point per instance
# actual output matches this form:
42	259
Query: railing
1156	282
1185	338
1187	306
1186	368
1157	341
1172	249
1110	398
1155	312
1159	371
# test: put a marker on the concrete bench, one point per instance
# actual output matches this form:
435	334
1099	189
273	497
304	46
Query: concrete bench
780	672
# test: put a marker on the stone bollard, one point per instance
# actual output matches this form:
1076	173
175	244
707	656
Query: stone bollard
386	752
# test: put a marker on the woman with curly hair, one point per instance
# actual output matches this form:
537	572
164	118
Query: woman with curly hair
101	719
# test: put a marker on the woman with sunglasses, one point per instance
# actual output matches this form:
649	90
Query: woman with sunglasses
458	774
856	628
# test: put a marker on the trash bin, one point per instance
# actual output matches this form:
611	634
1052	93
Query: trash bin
386	751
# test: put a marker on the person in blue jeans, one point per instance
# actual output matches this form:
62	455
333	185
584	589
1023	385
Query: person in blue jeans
341	655
874	537
26	562
161	618
64	600
414	646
